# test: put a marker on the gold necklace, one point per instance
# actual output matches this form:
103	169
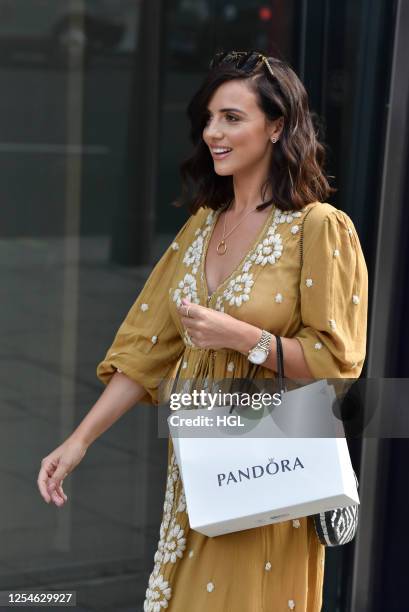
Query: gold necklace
222	246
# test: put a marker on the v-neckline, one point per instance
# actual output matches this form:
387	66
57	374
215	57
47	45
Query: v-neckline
208	238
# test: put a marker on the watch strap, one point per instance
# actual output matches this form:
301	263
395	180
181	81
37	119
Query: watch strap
263	343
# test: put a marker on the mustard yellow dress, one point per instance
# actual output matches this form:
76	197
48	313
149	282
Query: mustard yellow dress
277	567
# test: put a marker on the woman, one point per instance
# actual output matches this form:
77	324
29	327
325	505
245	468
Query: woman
231	279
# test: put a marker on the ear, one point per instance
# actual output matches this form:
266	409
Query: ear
276	128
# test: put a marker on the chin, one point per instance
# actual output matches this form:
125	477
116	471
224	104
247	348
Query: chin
226	170
223	172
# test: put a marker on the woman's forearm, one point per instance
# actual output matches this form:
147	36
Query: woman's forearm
246	336
121	394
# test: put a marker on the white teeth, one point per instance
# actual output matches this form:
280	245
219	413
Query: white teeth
221	150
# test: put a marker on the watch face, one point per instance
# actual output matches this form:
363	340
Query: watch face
258	356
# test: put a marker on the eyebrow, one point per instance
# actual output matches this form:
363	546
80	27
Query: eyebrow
231	110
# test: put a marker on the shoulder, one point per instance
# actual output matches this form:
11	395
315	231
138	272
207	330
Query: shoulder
203	216
193	222
330	232
321	217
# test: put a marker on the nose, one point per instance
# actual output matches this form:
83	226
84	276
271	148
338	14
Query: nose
212	130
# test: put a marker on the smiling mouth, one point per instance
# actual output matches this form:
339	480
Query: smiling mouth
220	152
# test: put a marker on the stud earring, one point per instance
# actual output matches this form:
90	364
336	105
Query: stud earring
274	140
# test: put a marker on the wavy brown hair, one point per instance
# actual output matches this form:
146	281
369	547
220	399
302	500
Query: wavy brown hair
296	174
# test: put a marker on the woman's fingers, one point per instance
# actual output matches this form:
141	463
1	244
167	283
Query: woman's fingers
50	481
56	466
42	481
59	497
60	491
57	493
55	483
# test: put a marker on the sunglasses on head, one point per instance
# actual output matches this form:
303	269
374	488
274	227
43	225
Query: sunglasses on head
244	60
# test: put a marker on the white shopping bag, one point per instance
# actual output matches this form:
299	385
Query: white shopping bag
235	481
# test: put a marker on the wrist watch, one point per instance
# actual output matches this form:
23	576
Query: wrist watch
259	353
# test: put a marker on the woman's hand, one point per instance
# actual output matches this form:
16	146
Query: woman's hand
56	466
208	328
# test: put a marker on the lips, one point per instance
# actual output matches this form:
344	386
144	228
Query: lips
220	152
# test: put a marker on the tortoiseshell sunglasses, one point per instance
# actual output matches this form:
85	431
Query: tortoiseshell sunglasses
245	60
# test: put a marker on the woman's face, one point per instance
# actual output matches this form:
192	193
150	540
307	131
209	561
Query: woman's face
237	132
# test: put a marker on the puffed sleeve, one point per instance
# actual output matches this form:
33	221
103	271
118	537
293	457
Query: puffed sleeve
334	295
148	343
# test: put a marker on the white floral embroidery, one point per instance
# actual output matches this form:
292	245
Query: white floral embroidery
294	229
332	324
158	558
158	594
269	250
170	546
154	339
144	307
318	346
219	303
278	298
355	299
296	523
186	289
291	604
184	366
193	254
182	503
210	586
191	553
187	338
267	566
238	289
175	246
175	544
287	216
192	258
336	253
230	366
118	370
174	472
309	282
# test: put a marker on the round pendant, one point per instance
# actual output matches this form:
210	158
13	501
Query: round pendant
221	248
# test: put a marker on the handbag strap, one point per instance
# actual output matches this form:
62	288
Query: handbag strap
280	365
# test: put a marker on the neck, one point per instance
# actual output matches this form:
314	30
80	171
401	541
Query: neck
247	191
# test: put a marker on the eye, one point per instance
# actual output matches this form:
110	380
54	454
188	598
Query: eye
231	118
